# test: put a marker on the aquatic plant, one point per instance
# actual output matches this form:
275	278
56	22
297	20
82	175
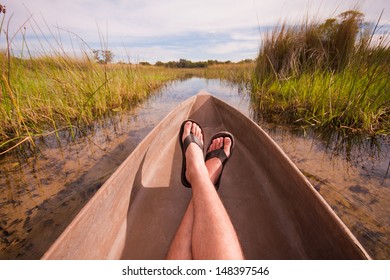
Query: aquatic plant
329	75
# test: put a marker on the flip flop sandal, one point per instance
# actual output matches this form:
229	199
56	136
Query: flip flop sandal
219	153
184	145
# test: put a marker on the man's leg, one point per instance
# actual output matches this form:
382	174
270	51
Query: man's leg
213	235
206	231
181	246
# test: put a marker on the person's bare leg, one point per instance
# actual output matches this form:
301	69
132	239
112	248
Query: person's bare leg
181	246
188	236
213	235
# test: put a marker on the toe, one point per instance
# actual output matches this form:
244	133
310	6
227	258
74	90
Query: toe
193	128
187	130
214	145
220	142
227	143
197	131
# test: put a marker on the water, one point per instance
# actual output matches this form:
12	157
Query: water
43	188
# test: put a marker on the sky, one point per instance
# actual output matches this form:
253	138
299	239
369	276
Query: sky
165	30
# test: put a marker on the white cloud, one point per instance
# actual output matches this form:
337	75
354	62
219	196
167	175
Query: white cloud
232	47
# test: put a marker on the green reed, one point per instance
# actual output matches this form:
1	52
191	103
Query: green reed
327	75
47	93
239	73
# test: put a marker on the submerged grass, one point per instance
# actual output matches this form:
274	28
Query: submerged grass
327	75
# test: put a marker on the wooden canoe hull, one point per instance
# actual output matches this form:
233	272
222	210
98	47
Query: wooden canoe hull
275	210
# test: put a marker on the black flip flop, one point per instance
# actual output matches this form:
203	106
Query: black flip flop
184	145
219	153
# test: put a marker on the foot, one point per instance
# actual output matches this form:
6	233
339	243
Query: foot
214	165
194	155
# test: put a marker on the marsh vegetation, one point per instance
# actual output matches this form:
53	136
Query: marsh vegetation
46	94
43	95
331	75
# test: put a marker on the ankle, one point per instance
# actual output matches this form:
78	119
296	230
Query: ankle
196	171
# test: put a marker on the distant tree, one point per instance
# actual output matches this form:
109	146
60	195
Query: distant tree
144	63
248	60
123	63
171	64
103	56
184	63
212	62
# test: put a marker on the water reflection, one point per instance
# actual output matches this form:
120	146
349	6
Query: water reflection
43	188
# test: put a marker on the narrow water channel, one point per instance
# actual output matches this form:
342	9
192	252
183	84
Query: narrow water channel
43	188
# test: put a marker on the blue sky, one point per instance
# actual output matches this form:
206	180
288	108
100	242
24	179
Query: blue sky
142	30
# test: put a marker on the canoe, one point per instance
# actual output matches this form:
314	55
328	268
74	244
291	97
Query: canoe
275	210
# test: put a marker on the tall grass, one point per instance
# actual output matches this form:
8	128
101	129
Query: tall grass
44	93
48	93
238	73
328	75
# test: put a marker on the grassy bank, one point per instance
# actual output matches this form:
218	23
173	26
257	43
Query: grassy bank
238	73
328	75
41	95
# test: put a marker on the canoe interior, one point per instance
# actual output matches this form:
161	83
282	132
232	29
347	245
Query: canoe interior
275	210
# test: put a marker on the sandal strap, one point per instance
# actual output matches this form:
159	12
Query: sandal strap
192	139
219	153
